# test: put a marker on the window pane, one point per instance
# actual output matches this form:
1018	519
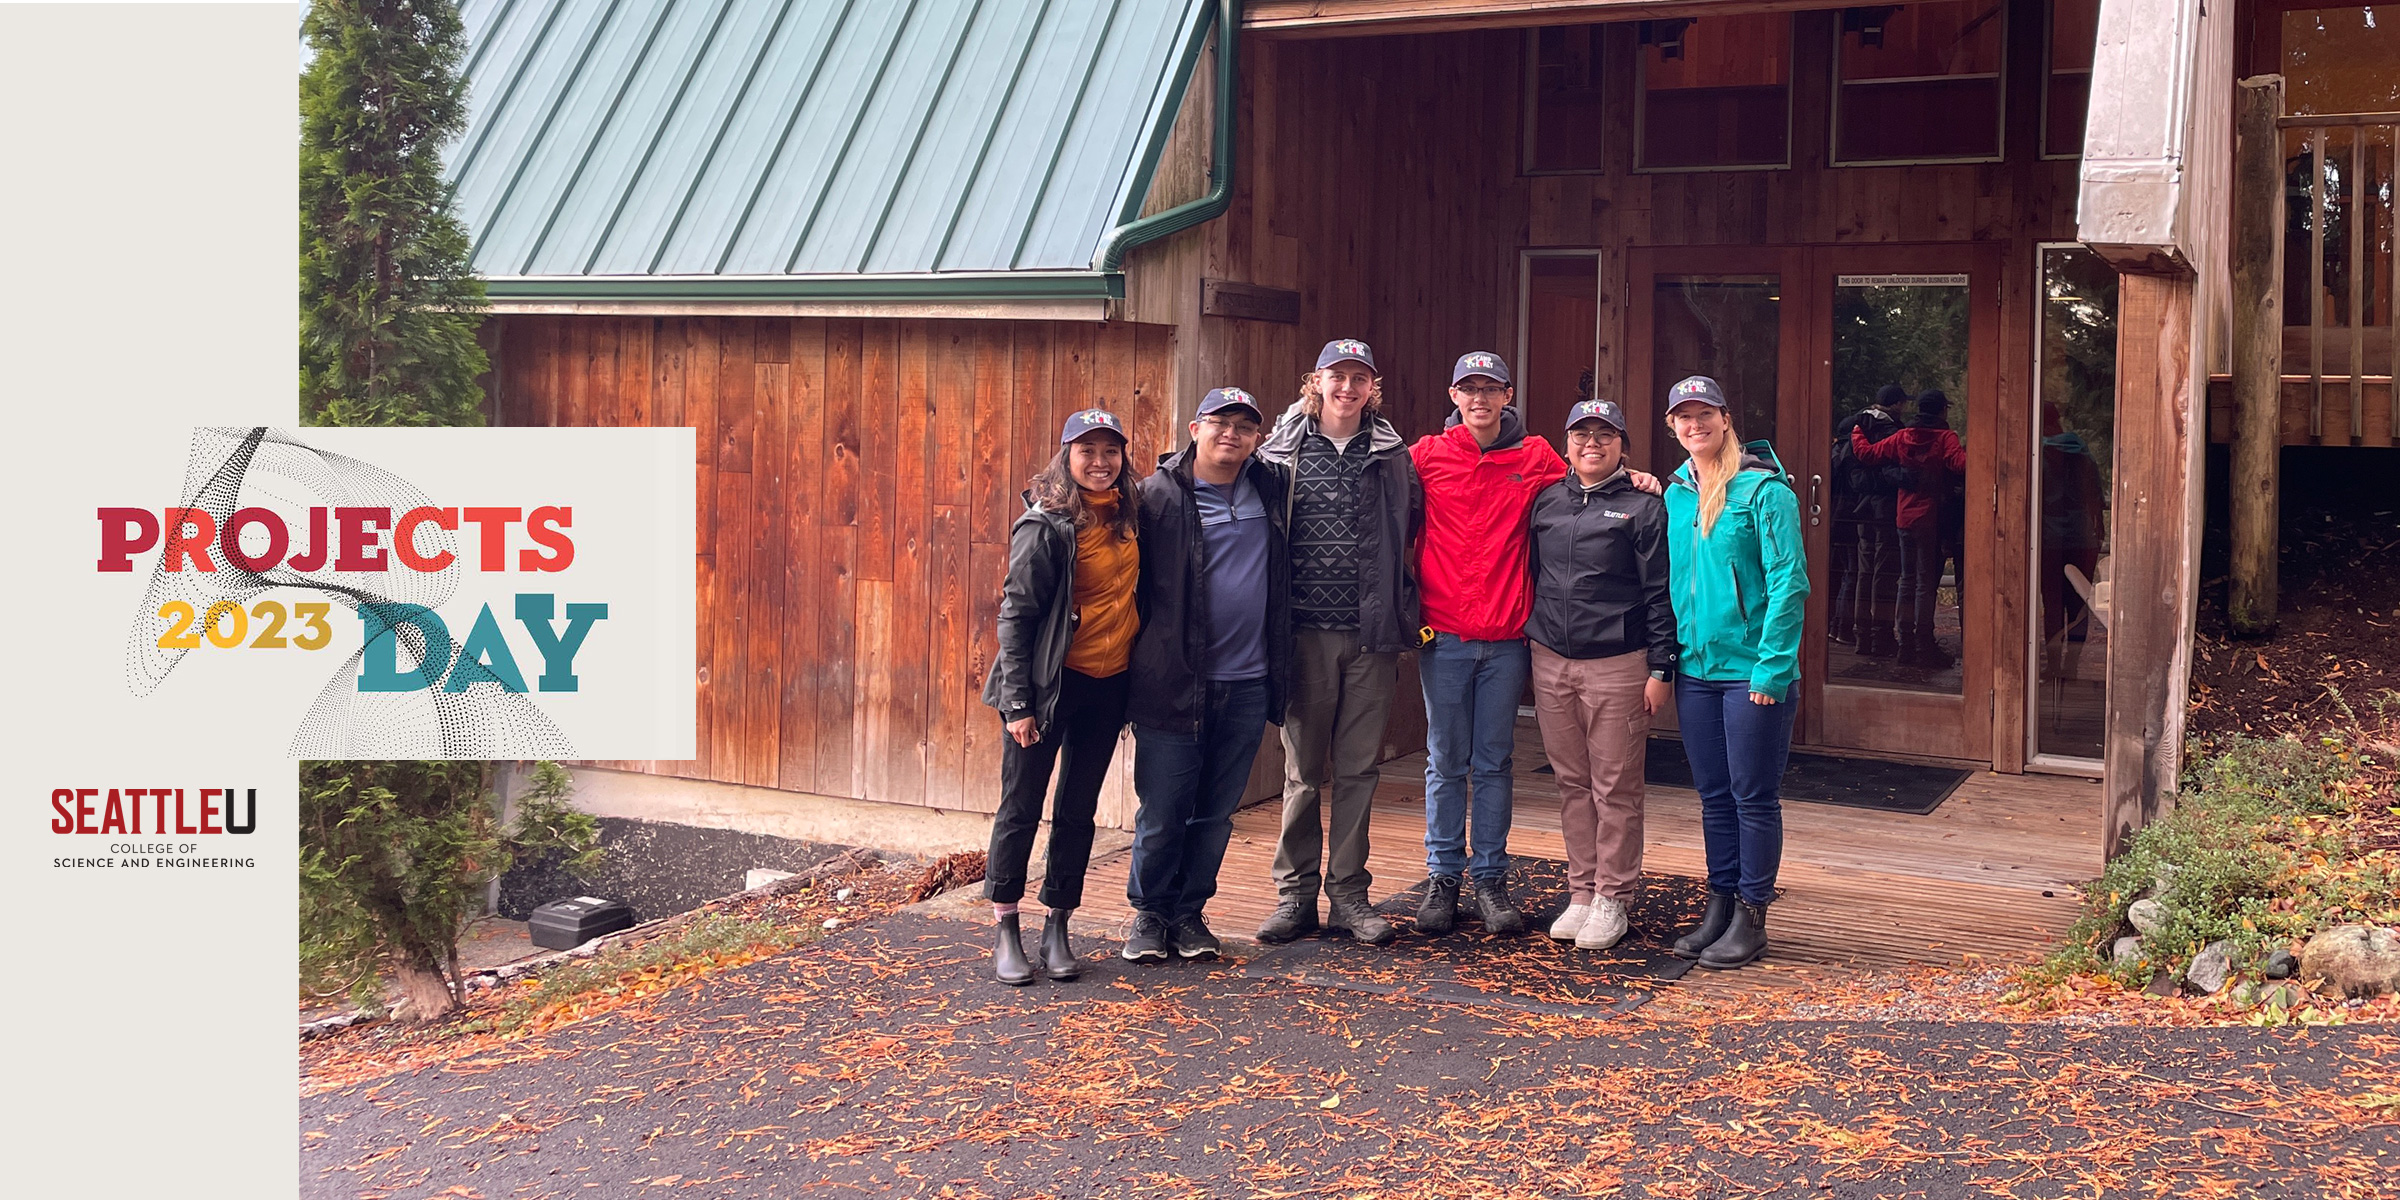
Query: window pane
2077	420
2341	59
1562	132
1919	82
1727	327
2074	25
1716	91
1898	529
1561	337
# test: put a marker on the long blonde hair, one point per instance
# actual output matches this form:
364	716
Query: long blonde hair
1715	477
1312	398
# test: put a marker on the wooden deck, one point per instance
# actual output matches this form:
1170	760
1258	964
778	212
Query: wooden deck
1991	872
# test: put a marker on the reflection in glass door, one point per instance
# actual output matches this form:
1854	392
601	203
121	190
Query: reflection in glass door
2076	424
1727	327
1895	615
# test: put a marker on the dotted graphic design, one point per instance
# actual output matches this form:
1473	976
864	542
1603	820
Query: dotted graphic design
233	469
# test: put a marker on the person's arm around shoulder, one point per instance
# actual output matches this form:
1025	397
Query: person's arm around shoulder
1664	651
1543	466
1025	599
1776	512
1874	454
1954	455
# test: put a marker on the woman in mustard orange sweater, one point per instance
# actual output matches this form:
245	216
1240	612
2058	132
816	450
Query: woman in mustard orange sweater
1067	622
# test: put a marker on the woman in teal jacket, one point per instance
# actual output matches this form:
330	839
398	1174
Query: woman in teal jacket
1738	581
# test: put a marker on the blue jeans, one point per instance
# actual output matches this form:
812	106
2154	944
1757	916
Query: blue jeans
1471	694
1737	751
1189	785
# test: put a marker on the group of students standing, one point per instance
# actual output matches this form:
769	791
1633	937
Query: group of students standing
1275	576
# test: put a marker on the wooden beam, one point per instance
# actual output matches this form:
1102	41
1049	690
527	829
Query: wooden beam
2151	560
1354	18
2257	252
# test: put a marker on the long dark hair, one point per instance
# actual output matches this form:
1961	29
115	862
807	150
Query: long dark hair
1056	491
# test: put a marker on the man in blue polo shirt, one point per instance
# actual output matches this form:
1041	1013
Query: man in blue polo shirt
1209	666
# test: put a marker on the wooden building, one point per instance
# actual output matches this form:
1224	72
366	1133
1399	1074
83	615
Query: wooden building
874	255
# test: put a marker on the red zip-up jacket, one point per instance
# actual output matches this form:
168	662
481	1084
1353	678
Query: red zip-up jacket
1473	559
1932	453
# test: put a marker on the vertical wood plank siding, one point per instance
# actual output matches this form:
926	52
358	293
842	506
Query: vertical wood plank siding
1380	178
856	482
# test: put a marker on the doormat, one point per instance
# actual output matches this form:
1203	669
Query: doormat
1530	971
1912	788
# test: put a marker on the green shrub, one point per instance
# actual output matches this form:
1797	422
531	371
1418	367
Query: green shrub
2253	853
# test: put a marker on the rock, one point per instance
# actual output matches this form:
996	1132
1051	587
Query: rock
2125	951
2246	993
842	896
832	922
2148	916
2162	878
2163	985
2210	967
759	877
2359	961
2279	964
333	1024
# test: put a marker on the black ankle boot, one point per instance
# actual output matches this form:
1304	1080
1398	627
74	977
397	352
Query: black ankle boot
1712	926
1058	955
1744	940
1009	964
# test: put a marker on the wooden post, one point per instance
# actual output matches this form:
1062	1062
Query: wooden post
2151	554
2257	254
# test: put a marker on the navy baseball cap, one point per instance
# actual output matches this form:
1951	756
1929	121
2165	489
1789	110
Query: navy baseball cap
1696	387
1346	350
1604	411
1090	421
1479	362
1220	399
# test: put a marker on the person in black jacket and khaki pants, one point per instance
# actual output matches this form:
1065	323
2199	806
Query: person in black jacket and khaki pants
1060	679
1604	650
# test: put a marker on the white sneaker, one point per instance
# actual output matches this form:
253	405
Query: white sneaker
1570	922
1604	927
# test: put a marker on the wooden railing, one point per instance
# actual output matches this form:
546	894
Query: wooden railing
2366	215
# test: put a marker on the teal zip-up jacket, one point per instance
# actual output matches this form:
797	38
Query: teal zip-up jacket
1741	593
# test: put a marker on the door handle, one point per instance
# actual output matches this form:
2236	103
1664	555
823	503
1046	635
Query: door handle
1815	509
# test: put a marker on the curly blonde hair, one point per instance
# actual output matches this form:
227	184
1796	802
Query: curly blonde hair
1312	397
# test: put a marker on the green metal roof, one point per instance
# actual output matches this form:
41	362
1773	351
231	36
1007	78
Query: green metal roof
764	147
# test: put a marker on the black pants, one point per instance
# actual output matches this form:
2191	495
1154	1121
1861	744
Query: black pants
1081	739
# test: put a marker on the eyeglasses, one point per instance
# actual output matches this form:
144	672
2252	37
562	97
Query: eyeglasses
1238	426
1484	392
1582	437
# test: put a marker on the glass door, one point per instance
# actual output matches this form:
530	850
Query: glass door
1898	656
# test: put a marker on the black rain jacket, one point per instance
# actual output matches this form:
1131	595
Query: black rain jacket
1168	691
1600	572
1037	616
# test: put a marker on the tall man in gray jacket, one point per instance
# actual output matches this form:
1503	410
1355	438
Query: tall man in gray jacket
1354	505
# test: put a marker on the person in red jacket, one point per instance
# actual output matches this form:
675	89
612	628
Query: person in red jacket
1929	449
1480	476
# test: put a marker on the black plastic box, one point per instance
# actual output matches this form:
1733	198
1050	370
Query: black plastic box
566	924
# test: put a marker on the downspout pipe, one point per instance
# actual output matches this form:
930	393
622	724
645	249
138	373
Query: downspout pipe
1132	231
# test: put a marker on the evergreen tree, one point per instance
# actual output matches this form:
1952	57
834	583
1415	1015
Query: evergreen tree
394	856
388	304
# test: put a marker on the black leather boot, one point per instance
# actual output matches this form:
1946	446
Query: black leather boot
1009	964
1438	914
1058	954
1712	926
1744	940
